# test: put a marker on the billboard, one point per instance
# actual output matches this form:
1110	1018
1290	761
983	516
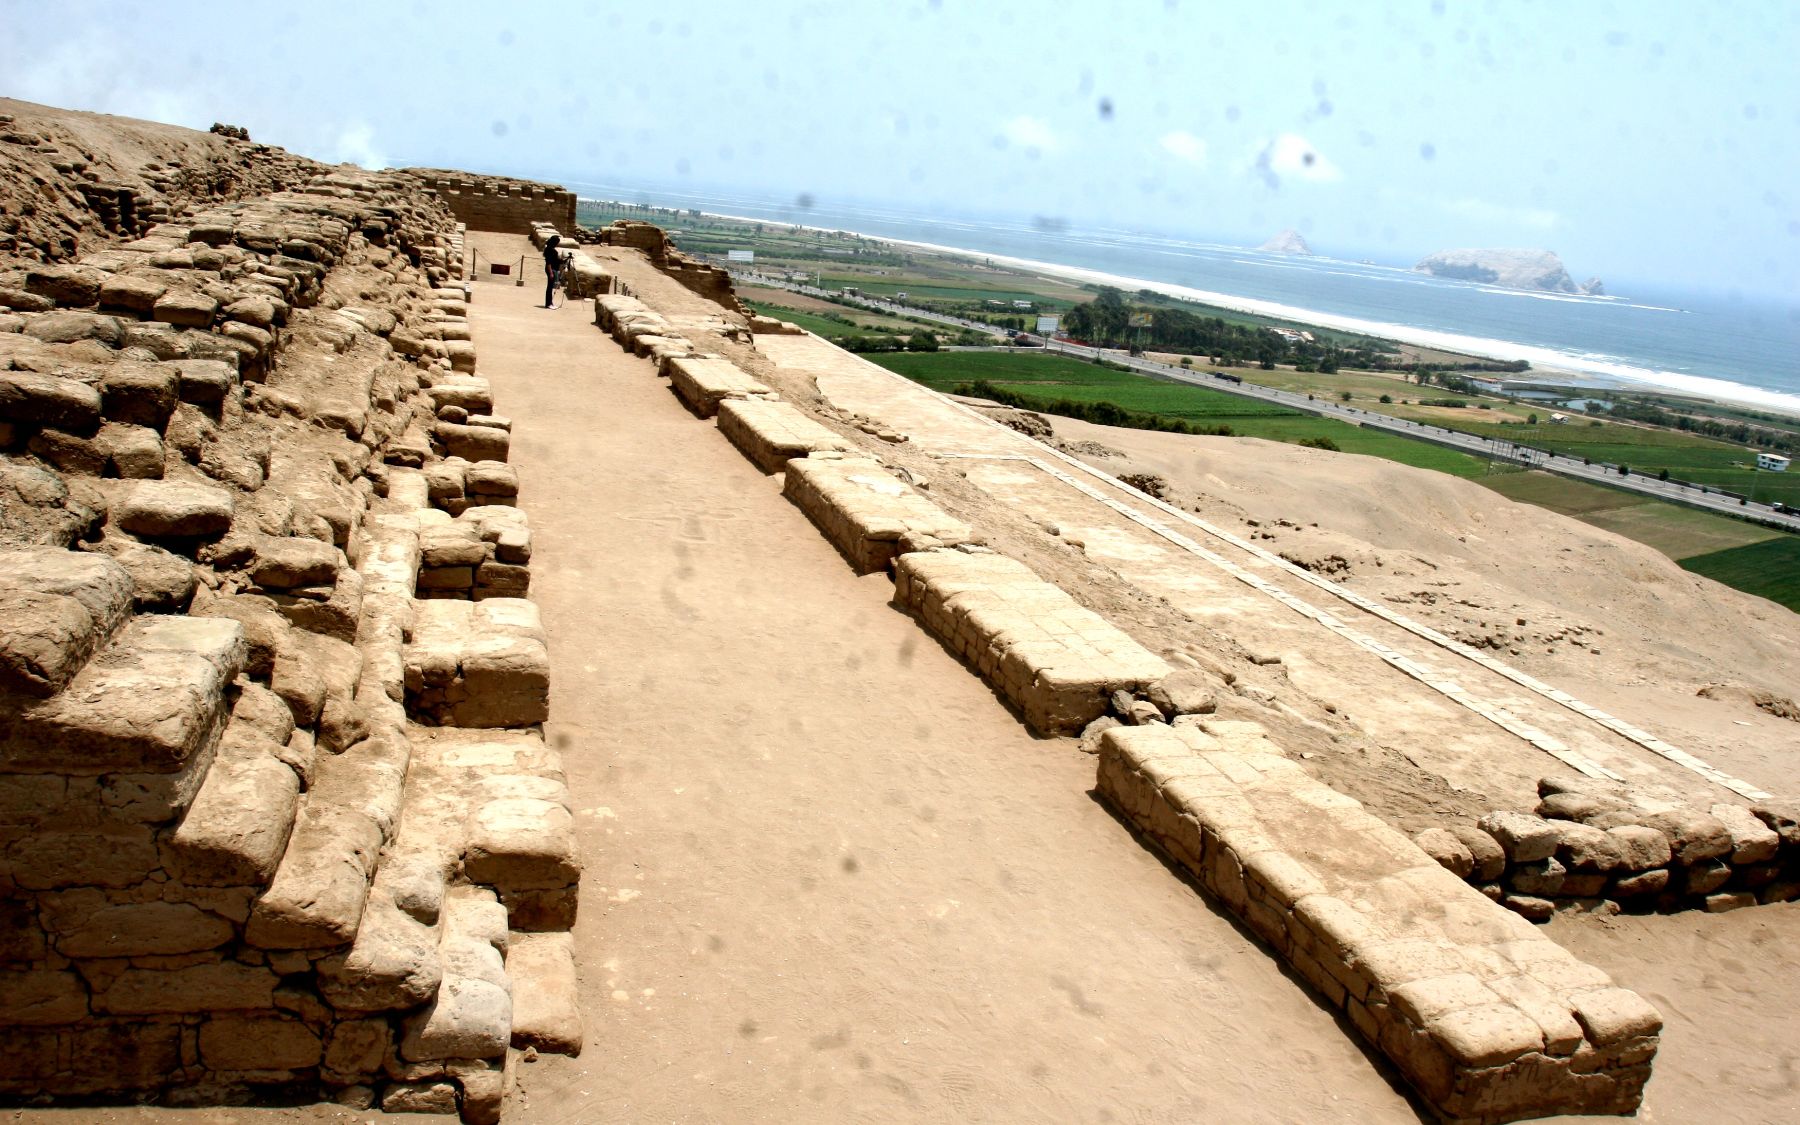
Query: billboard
1140	320
740	255
1048	325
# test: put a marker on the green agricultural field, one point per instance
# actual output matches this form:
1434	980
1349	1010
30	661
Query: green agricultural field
1686	456
867	324
1046	378
1676	531
1769	569
933	291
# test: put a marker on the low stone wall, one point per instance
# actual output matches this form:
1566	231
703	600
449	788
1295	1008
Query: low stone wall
771	434
710	282
1595	846
868	513
499	203
1058	662
1487	1019
703	383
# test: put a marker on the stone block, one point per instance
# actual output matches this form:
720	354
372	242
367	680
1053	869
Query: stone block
1694	837
235	1043
1752	841
139	394
1488	856
186	308
148	704
133	452
132	292
478	664
166	509
33	399
36	998
1523	837
772	433
472	443
703	383
144	929
68	327
392	966
60	607
283	564
205	382
238	826
522	843
1185	691
68	285
1056	661
322	883
1640	848
1450	853
866	512
546	1007
219	986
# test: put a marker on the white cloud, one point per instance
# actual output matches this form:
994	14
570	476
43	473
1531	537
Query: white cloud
355	144
1291	155
1031	133
1184	146
1480	210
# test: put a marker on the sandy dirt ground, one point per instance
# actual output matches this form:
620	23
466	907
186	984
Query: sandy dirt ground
830	878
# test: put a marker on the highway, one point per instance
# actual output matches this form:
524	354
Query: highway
1606	474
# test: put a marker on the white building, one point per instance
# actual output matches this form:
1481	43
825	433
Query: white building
1772	462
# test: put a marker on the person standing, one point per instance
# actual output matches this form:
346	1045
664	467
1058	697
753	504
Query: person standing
552	264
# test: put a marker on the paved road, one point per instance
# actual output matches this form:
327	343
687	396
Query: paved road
1607	474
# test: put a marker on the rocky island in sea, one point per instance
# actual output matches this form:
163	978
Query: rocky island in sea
1515	269
1288	241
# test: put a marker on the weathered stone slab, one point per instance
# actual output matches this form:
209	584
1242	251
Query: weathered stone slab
166	509
1489	1020
237	828
868	513
33	399
59	608
147	704
705	383
478	664
772	433
546	1012
1053	659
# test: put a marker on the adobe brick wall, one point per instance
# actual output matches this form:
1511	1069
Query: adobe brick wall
499	203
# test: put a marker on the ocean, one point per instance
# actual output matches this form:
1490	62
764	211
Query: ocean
1738	350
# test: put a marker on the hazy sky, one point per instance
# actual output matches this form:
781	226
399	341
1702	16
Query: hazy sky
1645	142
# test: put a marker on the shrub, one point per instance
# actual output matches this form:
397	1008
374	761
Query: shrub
1387	398
1319	443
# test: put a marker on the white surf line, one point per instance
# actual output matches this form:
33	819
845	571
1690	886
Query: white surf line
1618	726
1449	688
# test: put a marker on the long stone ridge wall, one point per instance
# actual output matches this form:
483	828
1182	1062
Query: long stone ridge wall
277	816
499	203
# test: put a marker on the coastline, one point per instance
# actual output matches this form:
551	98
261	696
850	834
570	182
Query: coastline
1576	372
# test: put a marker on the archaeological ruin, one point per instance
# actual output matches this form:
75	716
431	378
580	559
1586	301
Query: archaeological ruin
279	818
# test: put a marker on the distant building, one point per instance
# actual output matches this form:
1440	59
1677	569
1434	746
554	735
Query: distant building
1293	336
1772	462
1021	304
1558	419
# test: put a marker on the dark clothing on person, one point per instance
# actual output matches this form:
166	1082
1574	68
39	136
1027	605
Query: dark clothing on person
552	263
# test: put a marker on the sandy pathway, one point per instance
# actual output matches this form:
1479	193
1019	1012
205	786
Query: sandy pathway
830	878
